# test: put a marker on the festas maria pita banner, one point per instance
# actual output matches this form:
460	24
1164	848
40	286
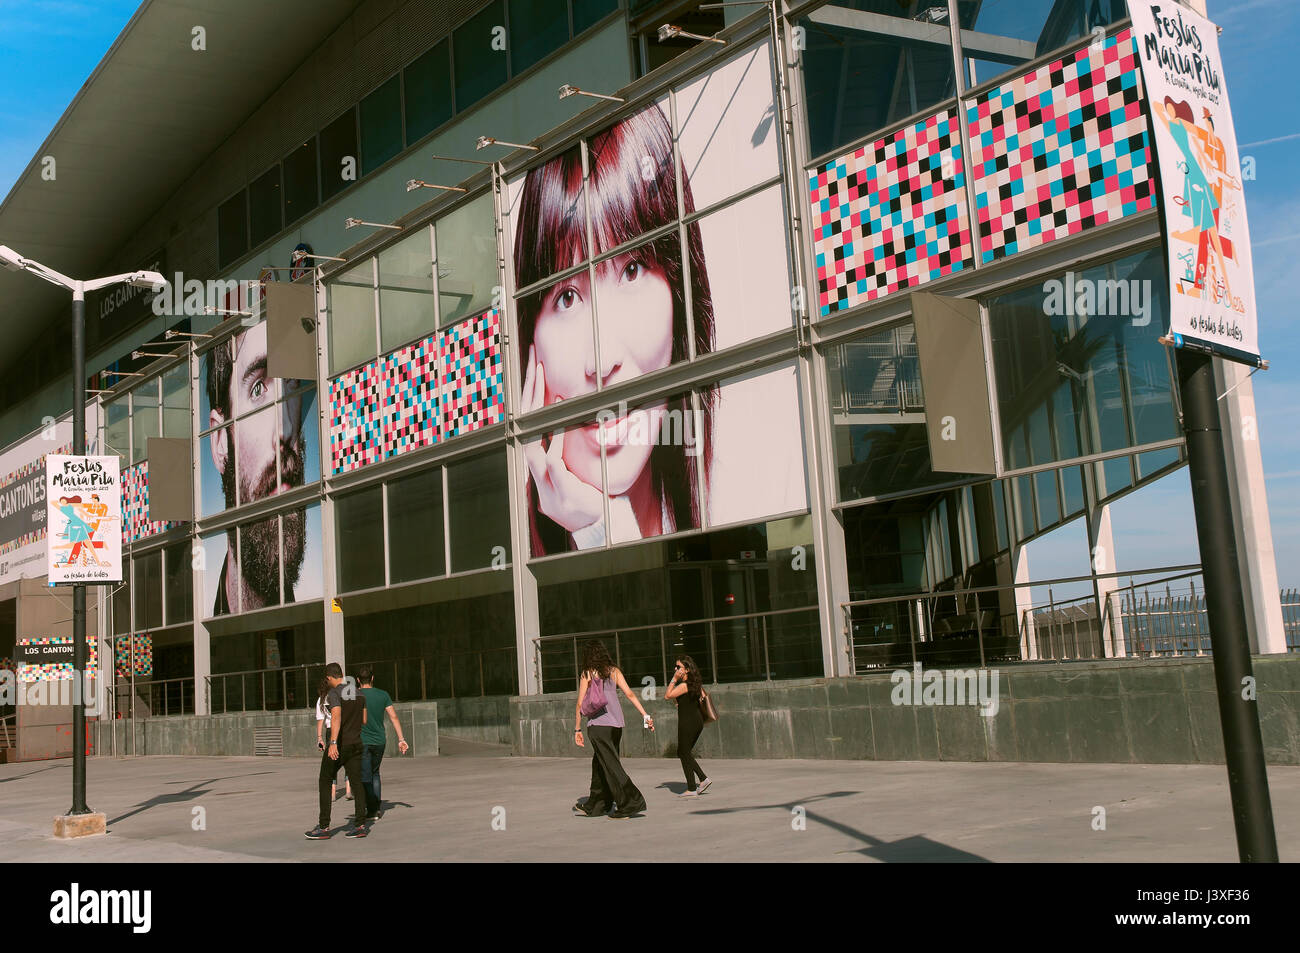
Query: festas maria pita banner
84	496
1211	279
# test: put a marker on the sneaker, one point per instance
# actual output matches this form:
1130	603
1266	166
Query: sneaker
689	794
359	830
704	785
622	814
349	797
318	833
371	818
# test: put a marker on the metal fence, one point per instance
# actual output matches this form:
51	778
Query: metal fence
453	675
756	646
156	698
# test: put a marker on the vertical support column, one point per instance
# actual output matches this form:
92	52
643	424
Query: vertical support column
333	621
1024	598
524	583
1240	427
830	556
202	668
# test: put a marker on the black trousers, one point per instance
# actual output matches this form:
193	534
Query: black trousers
689	725
350	761
609	782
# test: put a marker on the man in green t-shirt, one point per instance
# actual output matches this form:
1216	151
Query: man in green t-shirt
374	736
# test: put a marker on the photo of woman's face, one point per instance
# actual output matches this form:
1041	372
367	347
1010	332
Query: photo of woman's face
636	336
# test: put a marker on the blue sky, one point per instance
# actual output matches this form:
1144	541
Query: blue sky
48	48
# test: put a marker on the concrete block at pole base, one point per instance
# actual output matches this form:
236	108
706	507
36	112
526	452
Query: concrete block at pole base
79	825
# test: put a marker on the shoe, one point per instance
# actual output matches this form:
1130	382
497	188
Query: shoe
630	812
349	797
689	794
371	818
318	833
357	831
704	785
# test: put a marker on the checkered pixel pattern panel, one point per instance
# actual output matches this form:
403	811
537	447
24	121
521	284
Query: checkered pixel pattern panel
136	524
891	215
143	659
472	391
355	410
1061	149
410	418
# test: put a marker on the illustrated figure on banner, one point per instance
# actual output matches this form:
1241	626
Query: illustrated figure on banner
85	524
1210	195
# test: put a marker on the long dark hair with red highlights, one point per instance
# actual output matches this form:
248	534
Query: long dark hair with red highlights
633	190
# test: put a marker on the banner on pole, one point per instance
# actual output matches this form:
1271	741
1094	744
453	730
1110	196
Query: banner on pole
1211	278
84	496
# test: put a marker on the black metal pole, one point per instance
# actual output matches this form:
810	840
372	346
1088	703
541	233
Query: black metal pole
1243	746
78	589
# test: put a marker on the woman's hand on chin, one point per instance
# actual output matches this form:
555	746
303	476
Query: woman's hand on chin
561	495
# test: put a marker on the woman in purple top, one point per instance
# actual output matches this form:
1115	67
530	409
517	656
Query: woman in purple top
610	784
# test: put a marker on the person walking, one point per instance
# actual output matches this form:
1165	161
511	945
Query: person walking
347	716
323	722
374	738
610	785
687	689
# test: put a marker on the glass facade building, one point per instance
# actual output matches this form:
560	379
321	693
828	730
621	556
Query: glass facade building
657	378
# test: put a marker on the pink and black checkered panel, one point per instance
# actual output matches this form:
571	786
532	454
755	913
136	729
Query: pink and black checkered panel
1061	149
136	524
410	398
355	410
891	215
473	394
124	657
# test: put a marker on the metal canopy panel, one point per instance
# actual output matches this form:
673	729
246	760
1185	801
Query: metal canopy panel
147	117
958	419
290	330
171	479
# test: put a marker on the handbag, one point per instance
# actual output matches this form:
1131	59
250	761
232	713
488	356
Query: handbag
594	701
707	711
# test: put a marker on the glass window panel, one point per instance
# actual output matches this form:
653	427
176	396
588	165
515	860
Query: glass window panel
467	259
256	438
1049	508
264	205
587	12
232	229
1022	496
178	562
381	125
147	571
479	509
358	518
220	594
415	530
406	291
300	435
1072	480
338	154
480	69
1000	515
1113	476
176	402
300	182
144	419
352	318
259	564
428	92
117	430
121	607
537	27
859	78
1071	347
999	35
1155	460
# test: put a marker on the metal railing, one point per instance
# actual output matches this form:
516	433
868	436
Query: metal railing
450	675
156	698
975	626
755	646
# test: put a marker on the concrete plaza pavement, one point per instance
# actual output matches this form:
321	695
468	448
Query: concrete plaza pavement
443	809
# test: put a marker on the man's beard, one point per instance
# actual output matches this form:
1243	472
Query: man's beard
259	552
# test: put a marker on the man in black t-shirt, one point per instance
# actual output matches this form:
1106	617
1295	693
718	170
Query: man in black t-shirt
347	714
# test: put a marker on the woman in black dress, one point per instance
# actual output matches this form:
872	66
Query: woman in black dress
687	689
